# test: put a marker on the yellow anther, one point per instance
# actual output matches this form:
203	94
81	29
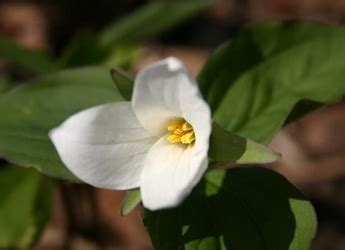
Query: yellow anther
188	138
181	132
174	138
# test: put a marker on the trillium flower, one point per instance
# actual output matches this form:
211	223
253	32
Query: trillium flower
159	141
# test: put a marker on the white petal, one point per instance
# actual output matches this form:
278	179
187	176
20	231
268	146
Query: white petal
104	146
170	172
164	91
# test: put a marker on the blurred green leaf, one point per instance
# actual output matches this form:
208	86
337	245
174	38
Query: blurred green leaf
227	147
253	82
5	83
151	19
238	209
84	49
123	56
131	200
28	59
115	46
25	206
30	111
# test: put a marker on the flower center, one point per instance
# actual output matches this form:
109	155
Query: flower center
181	132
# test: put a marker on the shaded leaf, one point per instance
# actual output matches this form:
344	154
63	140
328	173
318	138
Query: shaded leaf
30	111
123	81
25	206
32	60
84	49
229	208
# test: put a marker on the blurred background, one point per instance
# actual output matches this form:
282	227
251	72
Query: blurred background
313	147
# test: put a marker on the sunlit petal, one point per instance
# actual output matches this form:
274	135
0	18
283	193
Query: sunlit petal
164	91
170	172
104	146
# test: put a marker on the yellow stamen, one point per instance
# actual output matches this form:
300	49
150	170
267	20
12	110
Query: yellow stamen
181	132
188	138
172	127
174	138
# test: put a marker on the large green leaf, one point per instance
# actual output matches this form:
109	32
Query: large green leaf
253	82
150	20
25	206
238	209
30	111
28	59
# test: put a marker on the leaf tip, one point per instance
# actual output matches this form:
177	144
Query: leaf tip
130	201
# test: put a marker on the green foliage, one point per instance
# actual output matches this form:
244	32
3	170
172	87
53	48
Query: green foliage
25	206
4	83
84	49
239	209
130	201
27	59
253	82
227	147
124	56
30	111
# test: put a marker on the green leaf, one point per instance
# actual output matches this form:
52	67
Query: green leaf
84	49
253	82
238	209
131	200
150	20
32	60
124	56
5	83
29	112
227	147
114	46
123	82
25	206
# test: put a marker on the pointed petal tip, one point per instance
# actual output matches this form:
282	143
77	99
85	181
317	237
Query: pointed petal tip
174	64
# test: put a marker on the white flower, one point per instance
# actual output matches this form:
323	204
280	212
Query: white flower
159	141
